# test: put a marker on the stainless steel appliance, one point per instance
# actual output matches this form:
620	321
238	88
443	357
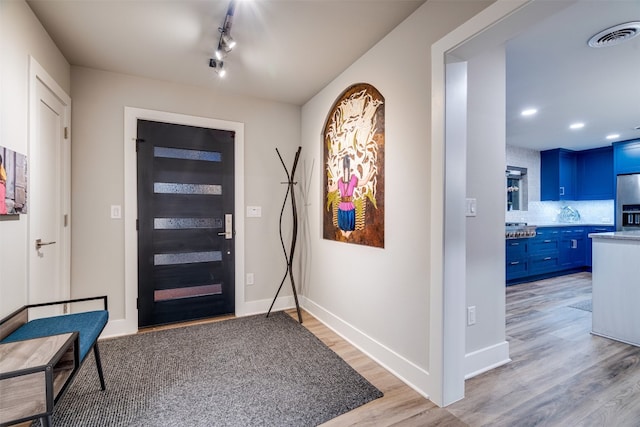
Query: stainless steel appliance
518	230
628	202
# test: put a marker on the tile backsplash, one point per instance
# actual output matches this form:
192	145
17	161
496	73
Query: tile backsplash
546	213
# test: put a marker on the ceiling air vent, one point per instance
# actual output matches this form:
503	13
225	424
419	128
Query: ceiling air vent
615	35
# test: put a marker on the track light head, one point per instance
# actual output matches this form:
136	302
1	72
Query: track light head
227	42
220	54
218	65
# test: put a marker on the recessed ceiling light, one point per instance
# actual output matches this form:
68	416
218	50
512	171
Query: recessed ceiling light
613	136
576	126
529	112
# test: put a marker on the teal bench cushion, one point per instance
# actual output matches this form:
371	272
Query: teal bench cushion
89	325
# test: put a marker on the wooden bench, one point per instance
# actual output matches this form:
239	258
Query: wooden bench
87	325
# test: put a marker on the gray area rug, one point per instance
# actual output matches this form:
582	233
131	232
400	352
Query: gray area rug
583	305
250	371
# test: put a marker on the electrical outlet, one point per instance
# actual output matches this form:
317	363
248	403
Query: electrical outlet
250	280
471	315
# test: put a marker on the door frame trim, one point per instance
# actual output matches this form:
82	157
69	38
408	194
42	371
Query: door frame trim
129	324
38	73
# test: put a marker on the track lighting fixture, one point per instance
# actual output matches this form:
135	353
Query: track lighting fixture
226	43
218	65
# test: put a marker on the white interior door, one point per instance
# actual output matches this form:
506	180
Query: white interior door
49	189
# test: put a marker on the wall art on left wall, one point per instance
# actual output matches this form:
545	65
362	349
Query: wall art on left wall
13	182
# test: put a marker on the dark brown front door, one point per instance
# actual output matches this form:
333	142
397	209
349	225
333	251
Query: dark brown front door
185	222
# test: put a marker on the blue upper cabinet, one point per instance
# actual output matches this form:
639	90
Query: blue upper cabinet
595	174
558	171
626	156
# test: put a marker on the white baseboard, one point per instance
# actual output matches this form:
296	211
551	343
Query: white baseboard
262	306
414	376
483	360
116	328
119	327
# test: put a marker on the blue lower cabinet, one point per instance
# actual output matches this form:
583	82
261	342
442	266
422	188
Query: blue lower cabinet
553	251
517	251
541	245
517	268
547	263
545	247
572	248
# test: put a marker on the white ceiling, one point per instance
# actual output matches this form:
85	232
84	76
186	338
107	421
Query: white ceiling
551	67
290	49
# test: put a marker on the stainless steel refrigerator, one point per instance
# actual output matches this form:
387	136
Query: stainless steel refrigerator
628	202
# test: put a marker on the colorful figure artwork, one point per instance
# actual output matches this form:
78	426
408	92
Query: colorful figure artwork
13	182
354	168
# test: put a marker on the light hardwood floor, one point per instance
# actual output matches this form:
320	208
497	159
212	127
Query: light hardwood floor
560	374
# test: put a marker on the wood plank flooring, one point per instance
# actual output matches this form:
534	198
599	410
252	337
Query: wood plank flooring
560	374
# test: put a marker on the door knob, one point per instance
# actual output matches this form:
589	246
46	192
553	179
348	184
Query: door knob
40	243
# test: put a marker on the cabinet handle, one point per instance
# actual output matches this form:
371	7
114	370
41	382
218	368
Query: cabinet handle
574	244
547	258
515	262
547	241
515	244
562	191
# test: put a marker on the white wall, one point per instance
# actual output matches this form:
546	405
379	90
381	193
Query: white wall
21	35
485	289
98	177
379	298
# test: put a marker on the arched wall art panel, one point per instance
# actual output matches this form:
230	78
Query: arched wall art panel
354	146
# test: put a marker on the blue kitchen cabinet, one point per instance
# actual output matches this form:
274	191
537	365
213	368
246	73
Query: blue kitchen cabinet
572	248
595	177
626	157
517	251
558	170
589	243
553	251
544	254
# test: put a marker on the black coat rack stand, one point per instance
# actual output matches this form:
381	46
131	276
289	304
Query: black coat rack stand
289	257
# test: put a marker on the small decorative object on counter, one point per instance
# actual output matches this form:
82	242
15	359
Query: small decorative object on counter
569	214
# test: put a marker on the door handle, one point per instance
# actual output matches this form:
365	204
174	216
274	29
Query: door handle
40	243
228	227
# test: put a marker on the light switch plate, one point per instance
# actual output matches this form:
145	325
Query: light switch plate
472	207
116	212
254	211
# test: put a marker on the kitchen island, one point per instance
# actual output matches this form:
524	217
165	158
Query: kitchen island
616	286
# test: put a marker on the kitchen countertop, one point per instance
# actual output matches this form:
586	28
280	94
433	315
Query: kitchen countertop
618	235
